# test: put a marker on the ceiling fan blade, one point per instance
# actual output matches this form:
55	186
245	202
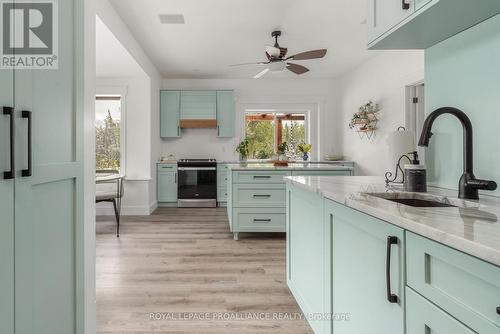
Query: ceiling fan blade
297	69
261	74
313	54
258	63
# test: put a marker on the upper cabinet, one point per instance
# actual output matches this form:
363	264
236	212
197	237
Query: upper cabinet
420	24
170	104
196	109
225	114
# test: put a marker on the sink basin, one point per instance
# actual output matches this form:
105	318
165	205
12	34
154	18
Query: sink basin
422	200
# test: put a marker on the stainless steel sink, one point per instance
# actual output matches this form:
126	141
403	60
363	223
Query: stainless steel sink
422	200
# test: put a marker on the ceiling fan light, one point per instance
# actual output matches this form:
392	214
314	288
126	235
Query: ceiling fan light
273	51
260	74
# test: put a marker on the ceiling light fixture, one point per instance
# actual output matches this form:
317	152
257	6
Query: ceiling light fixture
260	74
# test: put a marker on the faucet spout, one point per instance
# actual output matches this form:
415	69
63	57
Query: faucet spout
468	184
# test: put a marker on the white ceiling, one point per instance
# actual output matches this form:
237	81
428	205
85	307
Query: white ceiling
218	33
112	59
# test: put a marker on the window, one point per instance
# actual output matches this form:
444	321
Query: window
108	132
266	131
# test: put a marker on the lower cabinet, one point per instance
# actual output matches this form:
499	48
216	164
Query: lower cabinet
368	272
308	249
423	317
167	183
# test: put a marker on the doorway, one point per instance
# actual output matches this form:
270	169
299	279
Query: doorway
415	113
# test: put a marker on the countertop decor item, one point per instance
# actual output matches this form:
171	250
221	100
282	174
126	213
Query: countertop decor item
365	120
304	149
334	157
393	178
242	149
282	159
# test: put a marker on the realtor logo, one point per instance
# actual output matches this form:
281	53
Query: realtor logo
28	34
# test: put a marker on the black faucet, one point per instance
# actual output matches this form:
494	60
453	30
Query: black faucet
468	186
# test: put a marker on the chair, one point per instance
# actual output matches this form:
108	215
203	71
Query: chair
108	194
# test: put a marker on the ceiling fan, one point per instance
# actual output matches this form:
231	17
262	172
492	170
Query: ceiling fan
278	61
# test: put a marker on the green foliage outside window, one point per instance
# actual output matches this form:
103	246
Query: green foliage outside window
108	144
260	136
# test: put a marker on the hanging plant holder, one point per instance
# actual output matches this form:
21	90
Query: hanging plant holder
365	120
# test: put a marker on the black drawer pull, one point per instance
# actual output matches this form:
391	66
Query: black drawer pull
406	4
8	111
261	196
262	220
498	310
262	176
392	298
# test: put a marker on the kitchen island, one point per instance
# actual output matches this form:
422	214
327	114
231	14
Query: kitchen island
369	264
256	193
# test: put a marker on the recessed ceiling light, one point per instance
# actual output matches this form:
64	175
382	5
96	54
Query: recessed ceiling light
172	18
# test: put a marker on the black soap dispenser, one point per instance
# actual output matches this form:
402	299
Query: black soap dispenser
415	175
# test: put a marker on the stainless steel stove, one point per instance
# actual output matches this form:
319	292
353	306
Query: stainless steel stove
197	184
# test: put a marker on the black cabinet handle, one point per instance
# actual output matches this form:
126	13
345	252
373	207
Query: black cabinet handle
8	111
262	220
406	4
28	172
261	196
262	176
391	240
498	310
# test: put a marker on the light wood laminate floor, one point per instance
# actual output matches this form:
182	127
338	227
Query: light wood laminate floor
186	261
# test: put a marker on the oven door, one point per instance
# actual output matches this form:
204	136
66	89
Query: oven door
197	186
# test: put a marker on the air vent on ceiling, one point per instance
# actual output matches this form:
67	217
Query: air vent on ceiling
172	18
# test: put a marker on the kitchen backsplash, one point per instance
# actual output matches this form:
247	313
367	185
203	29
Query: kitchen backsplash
464	72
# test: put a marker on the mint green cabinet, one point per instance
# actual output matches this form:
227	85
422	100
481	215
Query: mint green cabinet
222	178
170	103
385	14
425	23
440	274
198	104
359	258
167	183
225	114
423	317
308	247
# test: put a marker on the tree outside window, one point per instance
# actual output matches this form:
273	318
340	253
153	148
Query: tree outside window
108	132
266	131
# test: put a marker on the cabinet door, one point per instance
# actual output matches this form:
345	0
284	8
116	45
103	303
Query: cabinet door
170	113
362	254
198	105
385	14
422	317
225	114
167	186
6	204
49	205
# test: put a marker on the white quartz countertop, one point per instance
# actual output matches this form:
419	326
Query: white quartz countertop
473	228
291	167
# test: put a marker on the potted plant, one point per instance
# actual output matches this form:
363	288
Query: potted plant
304	149
242	149
281	150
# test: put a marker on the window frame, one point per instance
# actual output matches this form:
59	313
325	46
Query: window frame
275	112
122	93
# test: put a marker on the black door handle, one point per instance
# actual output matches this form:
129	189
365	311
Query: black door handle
8	111
391	240
406	4
27	172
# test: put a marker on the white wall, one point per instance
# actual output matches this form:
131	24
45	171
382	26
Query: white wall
142	109
382	79
202	143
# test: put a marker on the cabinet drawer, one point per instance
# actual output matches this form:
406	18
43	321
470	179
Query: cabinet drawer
259	195
221	178
222	194
466	287
422	317
265	220
167	168
259	176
